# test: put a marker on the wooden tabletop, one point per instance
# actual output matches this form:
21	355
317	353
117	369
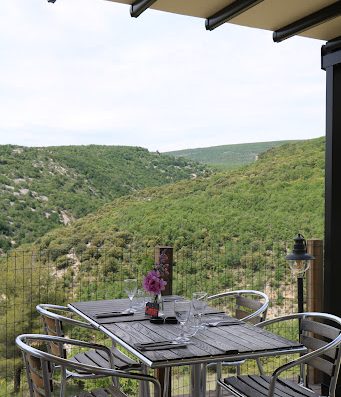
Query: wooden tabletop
232	342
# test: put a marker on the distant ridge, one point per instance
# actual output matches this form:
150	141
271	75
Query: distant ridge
255	203
228	156
42	188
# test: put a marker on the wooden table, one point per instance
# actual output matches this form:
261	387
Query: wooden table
227	343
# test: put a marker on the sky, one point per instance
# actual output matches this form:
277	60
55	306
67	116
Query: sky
81	72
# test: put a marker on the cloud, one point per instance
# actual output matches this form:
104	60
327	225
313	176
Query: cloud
83	71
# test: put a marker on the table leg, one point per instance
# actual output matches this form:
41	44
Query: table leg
164	377
198	380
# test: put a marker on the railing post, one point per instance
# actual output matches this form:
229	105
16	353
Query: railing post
165	254
315	292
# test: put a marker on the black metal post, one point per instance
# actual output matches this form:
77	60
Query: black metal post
331	62
300	295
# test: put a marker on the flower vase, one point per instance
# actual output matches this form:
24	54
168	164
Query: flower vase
159	300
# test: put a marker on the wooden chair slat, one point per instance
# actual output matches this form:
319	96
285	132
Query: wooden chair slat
242	313
57	349
281	389
34	362
37	379
287	384
84	394
249	303
252	382
321	329
314	344
323	365
38	391
93	358
239	384
50	324
115	392
258	386
255	320
100	393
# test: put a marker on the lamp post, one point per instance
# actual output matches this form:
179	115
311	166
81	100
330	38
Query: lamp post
299	263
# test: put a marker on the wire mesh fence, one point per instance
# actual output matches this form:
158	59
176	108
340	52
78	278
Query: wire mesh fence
59	277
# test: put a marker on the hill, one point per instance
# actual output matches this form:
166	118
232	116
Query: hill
269	200
228	156
42	188
223	229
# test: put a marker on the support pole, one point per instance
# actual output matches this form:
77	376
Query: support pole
331	63
300	294
315	293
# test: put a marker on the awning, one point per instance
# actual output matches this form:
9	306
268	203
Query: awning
319	19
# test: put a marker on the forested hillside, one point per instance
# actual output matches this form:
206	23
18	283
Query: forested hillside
228	156
222	228
42	188
270	200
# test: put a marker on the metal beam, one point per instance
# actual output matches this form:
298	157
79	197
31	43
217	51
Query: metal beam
331	45
309	21
137	8
229	12
51	1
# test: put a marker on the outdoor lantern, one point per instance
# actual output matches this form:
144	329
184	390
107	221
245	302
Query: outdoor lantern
299	264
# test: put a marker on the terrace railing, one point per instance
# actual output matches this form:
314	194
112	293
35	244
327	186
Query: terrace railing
57	277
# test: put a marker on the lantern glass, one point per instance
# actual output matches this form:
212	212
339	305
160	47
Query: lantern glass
299	267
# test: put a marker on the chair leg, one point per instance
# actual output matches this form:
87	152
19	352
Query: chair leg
218	374
166	382
203	379
144	390
62	382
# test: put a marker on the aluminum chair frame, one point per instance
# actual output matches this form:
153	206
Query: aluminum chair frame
260	312
45	311
301	361
47	358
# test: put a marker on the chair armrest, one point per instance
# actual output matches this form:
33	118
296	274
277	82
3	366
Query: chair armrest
43	309
259	311
21	339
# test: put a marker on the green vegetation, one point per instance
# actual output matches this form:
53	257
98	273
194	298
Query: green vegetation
269	200
42	188
205	219
228	156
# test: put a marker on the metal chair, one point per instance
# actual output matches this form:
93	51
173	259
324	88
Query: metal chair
39	367
250	306
54	325
322	341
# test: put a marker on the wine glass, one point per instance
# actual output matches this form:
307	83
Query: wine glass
199	304
130	288
182	311
139	301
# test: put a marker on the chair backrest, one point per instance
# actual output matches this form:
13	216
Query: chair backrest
320	333
317	335
53	325
39	374
249	305
39	363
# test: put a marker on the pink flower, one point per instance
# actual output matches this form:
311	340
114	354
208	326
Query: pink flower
153	282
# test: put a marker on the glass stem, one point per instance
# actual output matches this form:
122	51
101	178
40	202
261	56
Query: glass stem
182	330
